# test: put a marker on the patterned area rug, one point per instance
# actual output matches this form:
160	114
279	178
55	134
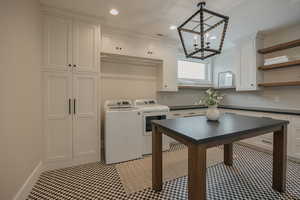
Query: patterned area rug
136	175
250	178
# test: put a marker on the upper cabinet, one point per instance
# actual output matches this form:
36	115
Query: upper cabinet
149	49
137	47
57	37
168	73
70	44
247	61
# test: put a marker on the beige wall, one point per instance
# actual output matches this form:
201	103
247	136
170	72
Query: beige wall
20	93
127	81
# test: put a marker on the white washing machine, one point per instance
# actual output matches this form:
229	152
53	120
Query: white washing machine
122	127
152	111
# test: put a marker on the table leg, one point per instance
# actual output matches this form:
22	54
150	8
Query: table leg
196	172
280	159
228	154
156	159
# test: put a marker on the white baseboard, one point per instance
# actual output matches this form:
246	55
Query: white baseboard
24	191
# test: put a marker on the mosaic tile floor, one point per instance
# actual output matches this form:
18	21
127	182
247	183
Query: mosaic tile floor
249	178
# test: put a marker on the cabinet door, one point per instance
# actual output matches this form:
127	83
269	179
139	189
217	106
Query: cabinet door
151	50
248	67
57	37
248	76
116	45
57	116
296	137
168	72
86	40
85	123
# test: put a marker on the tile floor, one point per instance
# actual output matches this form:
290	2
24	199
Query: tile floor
249	178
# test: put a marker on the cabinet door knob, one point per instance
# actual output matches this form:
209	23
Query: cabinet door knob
74	65
69	65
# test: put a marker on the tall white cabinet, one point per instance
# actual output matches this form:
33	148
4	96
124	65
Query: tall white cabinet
247	60
71	65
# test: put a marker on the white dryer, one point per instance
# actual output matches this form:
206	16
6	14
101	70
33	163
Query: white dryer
151	110
123	127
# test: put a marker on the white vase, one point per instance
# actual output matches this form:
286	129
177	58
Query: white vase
213	113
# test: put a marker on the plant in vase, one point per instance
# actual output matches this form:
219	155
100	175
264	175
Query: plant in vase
212	99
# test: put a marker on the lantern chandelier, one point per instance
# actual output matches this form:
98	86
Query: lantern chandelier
202	35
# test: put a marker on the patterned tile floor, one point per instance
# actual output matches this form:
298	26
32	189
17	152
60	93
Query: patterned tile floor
249	178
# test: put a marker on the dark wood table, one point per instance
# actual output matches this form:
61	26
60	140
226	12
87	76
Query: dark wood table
199	134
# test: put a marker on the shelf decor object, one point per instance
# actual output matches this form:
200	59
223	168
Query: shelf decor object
212	99
280	65
202	35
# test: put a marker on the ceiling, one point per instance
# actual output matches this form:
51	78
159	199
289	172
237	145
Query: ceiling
155	16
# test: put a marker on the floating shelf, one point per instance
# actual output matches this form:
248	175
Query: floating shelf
280	65
276	84
279	47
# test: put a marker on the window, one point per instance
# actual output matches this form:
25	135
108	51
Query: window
193	73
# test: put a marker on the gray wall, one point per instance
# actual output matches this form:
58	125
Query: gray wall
20	93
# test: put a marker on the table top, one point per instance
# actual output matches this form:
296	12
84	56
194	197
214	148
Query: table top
200	130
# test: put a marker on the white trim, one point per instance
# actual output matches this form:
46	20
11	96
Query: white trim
29	183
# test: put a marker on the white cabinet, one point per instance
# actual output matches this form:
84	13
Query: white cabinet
57	43
136	47
168	72
86	38
296	137
186	113
146	48
248	60
70	43
115	45
58	116
85	134
70	117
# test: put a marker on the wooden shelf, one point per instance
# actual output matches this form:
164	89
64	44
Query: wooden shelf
276	84
279	47
280	65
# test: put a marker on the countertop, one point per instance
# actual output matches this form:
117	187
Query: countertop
229	126
254	109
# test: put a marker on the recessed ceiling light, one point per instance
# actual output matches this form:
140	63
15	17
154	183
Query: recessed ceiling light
173	27
114	12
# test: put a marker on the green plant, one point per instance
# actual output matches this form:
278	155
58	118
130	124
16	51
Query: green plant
212	98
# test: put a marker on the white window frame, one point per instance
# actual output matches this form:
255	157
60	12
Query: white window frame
208	74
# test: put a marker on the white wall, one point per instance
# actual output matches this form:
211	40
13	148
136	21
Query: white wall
222	63
20	93
277	97
127	81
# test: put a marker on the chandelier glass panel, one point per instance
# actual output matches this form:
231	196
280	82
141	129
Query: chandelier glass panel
202	35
